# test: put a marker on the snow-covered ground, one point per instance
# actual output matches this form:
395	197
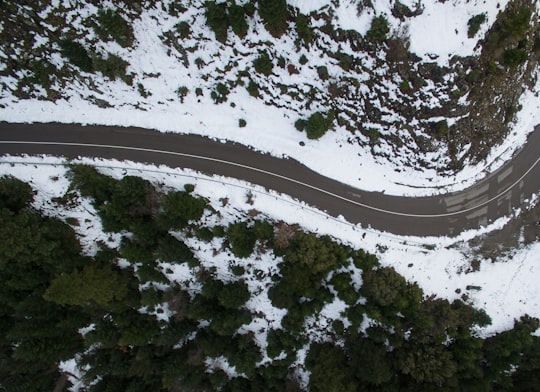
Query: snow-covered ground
441	266
440	31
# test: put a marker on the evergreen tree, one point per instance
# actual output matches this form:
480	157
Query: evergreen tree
274	14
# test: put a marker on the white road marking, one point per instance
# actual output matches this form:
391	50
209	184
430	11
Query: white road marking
404	214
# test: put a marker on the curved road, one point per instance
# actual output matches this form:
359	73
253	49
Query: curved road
449	214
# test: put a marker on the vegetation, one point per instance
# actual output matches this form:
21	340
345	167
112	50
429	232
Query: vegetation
378	30
50	293
274	14
315	126
76	54
113	26
474	24
263	64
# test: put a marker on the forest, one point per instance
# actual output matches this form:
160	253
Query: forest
129	327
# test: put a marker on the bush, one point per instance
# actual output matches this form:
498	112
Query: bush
322	71
274	14
316	126
303	59
242	239
112	67
238	20
305	33
515	57
219	95
76	54
378	30
474	24
184	29
216	19
517	24
112	25
182	92
263	64
253	89
15	194
242	123
300	124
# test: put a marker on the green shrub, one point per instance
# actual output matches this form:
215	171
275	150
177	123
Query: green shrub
242	123
514	57
305	33
219	95
253	89
303	59
216	19
274	14
15	194
43	70
300	124
242	239
112	67
316	126
184	29
112	26
76	54
322	71
182	92
238	20
474	24
199	92
517	24
379	29
263	64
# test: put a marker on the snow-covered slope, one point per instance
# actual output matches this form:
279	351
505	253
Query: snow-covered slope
383	128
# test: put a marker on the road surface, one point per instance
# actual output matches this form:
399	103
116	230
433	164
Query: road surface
450	214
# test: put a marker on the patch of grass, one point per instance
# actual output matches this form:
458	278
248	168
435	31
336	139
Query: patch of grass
112	67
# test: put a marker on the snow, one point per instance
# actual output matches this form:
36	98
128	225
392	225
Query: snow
271	129
440	265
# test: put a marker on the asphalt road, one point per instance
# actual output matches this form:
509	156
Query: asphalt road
449	214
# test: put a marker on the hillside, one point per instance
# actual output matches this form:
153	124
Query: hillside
409	90
120	283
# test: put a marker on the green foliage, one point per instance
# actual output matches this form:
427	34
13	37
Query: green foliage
514	57
274	14
303	59
76	54
43	71
182	92
316	125
237	19
113	26
216	19
181	207
474	24
242	239
322	71
112	67
100	285
184	29
242	123
172	250
253	89
263	64
15	194
219	95
378	30
517	23
305	33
